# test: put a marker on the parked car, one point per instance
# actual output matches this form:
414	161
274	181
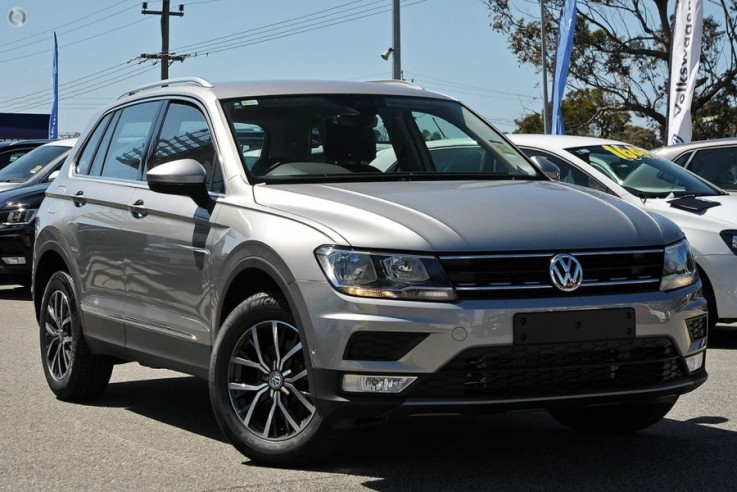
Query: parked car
18	208
36	166
10	151
713	160
706	214
316	292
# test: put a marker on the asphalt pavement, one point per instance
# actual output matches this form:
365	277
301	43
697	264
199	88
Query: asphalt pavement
154	430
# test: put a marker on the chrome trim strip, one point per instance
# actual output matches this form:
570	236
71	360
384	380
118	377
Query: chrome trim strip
531	287
544	255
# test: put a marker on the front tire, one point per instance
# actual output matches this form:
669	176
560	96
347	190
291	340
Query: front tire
614	419
71	370
260	389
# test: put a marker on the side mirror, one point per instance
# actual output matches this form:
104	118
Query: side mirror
52	176
184	177
546	166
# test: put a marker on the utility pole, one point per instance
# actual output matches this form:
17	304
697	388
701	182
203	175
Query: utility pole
164	56
396	55
543	51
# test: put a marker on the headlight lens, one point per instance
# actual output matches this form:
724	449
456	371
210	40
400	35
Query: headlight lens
385	275
17	217
730	237
679	269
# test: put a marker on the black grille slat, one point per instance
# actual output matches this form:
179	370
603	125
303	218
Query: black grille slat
697	327
525	275
555	369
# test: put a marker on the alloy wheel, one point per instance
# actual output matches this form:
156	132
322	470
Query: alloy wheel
58	335
267	381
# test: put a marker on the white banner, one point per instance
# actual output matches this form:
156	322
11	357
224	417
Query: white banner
684	68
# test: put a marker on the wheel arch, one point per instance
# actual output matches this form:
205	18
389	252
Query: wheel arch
49	261
257	269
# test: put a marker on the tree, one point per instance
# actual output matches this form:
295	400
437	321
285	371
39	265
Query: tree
622	48
583	115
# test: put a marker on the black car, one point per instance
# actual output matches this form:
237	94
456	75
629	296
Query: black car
10	151
22	188
17	213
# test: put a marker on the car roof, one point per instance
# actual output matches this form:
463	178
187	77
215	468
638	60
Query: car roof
673	150
22	143
558	141
65	142
261	88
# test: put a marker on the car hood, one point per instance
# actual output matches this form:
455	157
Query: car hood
448	216
29	195
725	212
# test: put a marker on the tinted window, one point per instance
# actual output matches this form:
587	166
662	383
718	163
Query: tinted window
718	165
85	159
29	164
128	142
682	159
642	173
185	135
337	137
568	172
11	156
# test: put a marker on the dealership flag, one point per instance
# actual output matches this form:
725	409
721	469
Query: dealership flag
54	117
684	67
562	59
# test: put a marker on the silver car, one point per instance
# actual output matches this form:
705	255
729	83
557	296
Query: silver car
244	233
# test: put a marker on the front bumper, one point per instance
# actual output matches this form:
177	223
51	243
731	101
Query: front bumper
468	361
16	244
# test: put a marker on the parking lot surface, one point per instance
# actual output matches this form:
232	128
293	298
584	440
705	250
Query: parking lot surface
154	430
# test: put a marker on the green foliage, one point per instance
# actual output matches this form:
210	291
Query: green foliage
622	50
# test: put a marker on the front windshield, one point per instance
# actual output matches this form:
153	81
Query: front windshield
25	167
643	174
369	137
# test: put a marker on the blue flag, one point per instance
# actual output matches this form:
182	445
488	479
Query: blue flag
54	117
562	59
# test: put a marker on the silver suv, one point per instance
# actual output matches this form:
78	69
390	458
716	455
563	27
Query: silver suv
245	233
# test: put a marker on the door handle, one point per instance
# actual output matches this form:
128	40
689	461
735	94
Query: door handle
137	209
79	199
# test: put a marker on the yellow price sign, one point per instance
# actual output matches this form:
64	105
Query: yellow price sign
626	152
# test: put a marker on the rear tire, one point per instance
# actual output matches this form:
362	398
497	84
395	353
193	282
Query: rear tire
614	419
71	370
260	390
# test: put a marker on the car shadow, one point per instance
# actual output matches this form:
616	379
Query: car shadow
723	337
516	451
183	402
15	292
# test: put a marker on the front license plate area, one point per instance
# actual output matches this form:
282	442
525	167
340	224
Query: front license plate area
574	326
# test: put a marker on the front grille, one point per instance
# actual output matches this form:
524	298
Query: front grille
697	327
548	370
528	274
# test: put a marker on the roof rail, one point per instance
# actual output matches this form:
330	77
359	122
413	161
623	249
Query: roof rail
398	82
163	83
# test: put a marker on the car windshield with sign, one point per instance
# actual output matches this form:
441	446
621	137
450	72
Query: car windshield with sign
643	174
347	137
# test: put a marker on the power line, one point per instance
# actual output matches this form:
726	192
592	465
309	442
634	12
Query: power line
25	43
284	32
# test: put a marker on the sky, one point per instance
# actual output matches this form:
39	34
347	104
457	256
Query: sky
447	46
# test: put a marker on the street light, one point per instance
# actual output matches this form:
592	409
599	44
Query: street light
387	53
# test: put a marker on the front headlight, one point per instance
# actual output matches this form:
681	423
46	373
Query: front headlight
679	269
385	275
17	217
730	237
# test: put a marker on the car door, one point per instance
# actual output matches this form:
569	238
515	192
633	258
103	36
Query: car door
168	270
107	172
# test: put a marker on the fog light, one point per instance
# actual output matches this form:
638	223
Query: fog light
14	260
695	362
356	383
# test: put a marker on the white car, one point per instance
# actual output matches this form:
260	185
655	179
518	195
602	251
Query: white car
707	214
